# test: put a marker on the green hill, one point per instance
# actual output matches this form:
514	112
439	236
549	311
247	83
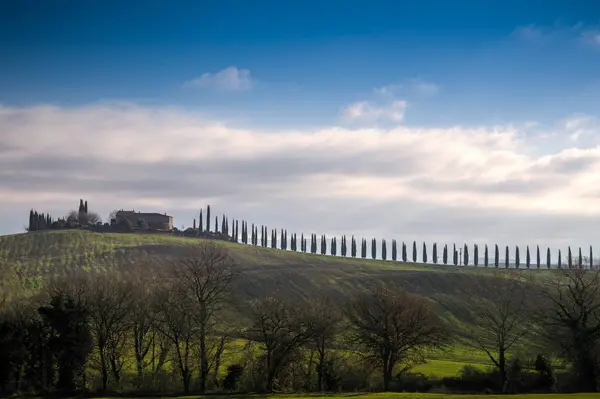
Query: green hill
28	259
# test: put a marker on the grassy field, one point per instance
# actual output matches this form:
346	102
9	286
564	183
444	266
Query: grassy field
391	395
28	260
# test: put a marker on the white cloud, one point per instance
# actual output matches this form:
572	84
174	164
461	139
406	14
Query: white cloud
545	34
364	111
592	37
579	125
452	183
228	79
423	87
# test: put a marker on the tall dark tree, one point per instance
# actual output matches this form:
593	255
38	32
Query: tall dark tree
570	259
216	224
283	239
445	254
353	246
394	250
363	249
333	248
548	258
344	248
237	232
539	260
517	257
496	256
302	248
559	260
466	255
527	258
85	207
252	237
414	251
223	228
476	255
424	252
580	259
373	248
485	256
70	339
435	254
404	254
455	256
274	239
207	217
506	258
31	222
323	245
200	223
383	249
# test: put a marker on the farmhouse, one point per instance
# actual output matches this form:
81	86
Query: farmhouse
145	221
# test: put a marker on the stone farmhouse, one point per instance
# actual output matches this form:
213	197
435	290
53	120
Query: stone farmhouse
144	221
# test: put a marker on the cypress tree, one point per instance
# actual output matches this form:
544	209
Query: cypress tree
580	260
404	254
485	256
414	251
517	257
302	248
476	255
324	245
466	255
383	250
394	250
30	228
252	235
506	259
216	224
435	256
548	258
207	218
570	259
455	256
274	238
496	256
304	243
237	230
284	239
591	258
373	248
223	229
527	258
539	261
353	247
559	260
424	252
85	208
36	221
200	223
363	250
445	254
194	224
344	246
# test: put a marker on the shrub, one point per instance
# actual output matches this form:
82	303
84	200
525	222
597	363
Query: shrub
234	374
413	382
472	379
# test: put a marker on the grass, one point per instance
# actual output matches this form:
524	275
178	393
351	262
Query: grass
28	260
393	395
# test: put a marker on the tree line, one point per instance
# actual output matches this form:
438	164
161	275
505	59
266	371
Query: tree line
178	320
250	234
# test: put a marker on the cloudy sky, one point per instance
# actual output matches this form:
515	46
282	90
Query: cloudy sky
465	121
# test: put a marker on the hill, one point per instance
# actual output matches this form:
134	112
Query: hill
27	259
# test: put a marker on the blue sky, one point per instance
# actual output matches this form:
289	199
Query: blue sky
310	57
449	121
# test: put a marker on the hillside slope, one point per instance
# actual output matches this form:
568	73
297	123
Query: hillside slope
28	259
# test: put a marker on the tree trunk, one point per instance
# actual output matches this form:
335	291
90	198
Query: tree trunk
104	371
186	381
387	374
321	369
203	360
502	368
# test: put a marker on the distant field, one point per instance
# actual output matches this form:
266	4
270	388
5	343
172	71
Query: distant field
28	260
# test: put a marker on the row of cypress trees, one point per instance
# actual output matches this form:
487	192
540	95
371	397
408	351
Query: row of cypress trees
249	234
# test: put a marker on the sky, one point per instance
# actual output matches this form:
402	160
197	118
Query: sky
451	122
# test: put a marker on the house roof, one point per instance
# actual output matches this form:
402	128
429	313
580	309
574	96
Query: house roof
133	213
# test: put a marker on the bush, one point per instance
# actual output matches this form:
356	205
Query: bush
234	374
472	379
416	382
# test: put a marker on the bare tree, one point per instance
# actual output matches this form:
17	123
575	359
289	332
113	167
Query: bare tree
572	321
282	329
110	304
93	218
205	275
393	328
112	215
325	318
503	319
174	319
